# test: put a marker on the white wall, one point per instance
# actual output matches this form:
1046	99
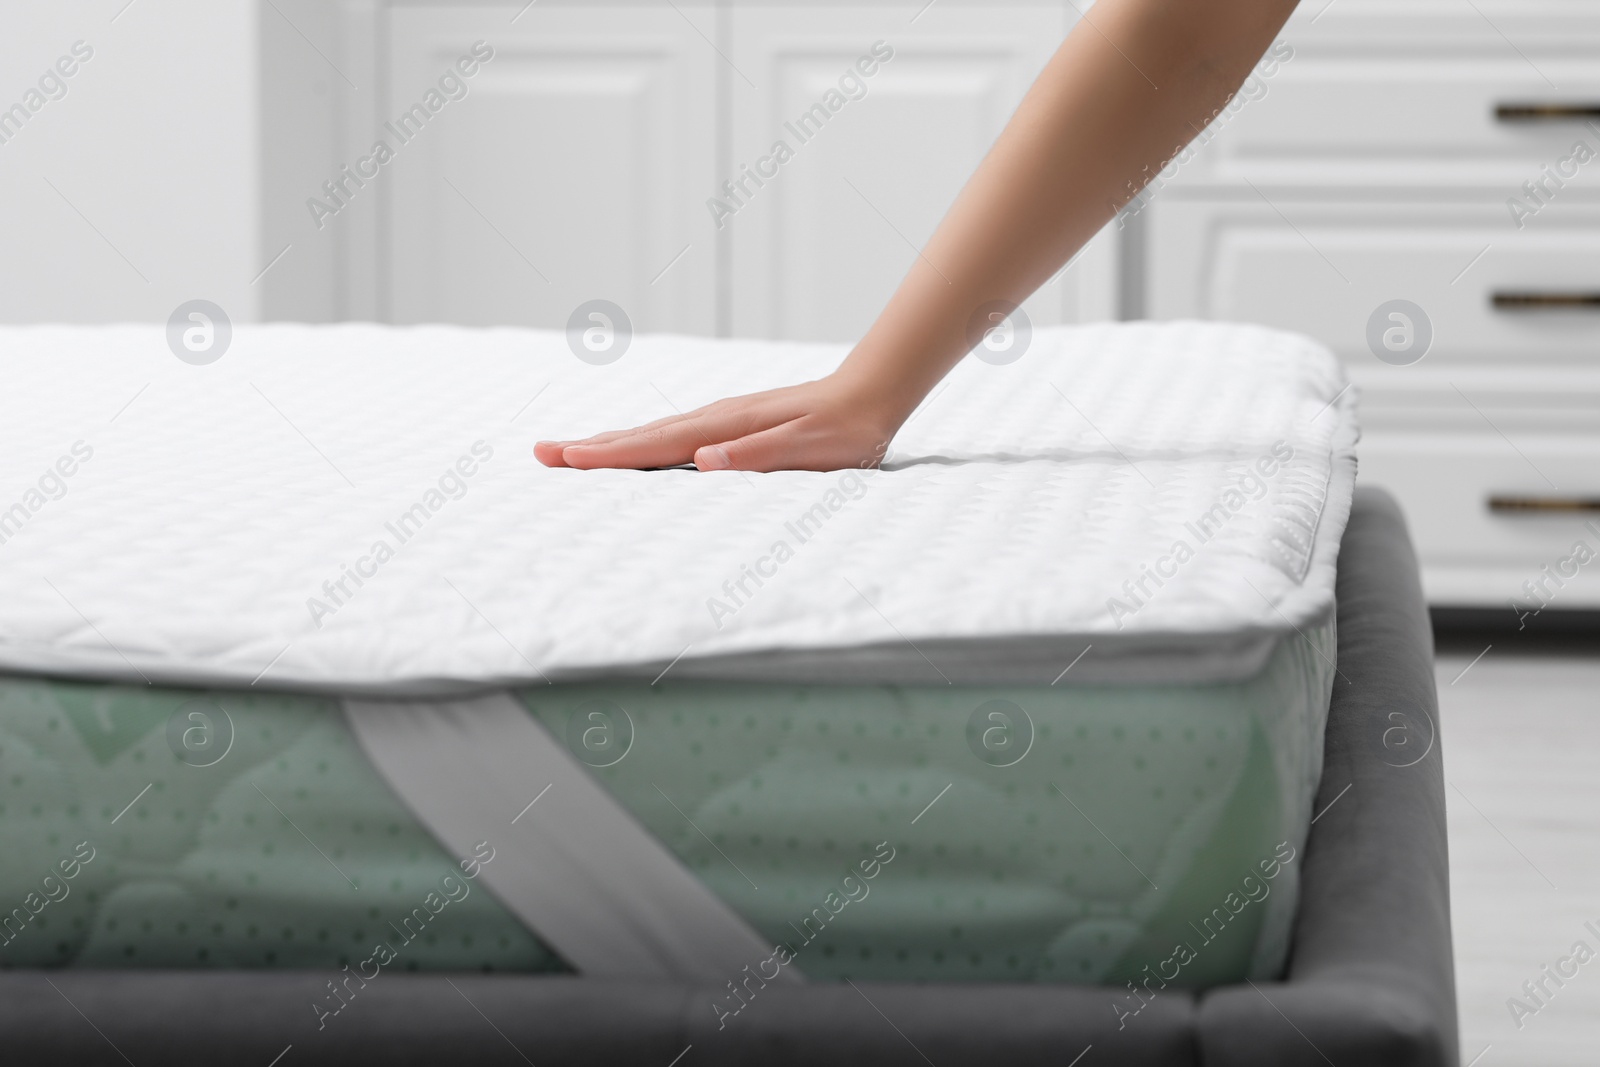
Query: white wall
155	143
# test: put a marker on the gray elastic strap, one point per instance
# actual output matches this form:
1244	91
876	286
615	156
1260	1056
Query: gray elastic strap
576	868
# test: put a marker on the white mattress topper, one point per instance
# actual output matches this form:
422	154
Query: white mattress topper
357	508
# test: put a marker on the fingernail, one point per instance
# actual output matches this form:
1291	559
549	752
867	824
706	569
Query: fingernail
712	458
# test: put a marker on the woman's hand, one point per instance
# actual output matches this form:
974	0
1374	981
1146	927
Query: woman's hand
828	424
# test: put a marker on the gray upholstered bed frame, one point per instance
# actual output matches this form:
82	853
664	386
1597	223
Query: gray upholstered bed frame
1370	981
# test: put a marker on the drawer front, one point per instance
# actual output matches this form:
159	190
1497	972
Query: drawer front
1487	292
1491	514
1419	95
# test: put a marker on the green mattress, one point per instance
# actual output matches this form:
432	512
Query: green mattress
1075	833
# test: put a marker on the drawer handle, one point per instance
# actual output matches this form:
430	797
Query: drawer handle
1501	503
1534	301
1547	112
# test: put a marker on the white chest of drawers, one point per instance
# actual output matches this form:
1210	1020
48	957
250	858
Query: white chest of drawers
1447	155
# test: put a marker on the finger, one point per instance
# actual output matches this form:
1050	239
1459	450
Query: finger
669	442
549	453
665	446
727	418
787	446
555	449
617	435
701	416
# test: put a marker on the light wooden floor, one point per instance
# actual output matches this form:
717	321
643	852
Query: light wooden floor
1521	737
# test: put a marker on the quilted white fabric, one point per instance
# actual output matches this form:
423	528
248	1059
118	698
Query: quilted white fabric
357	508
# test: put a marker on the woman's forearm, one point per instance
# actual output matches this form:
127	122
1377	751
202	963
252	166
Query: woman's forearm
1133	83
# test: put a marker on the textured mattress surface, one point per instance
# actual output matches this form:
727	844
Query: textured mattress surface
357	508
244	829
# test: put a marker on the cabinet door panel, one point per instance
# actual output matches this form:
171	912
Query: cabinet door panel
818	248
572	171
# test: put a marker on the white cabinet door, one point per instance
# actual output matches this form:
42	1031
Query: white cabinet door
872	162
573	170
